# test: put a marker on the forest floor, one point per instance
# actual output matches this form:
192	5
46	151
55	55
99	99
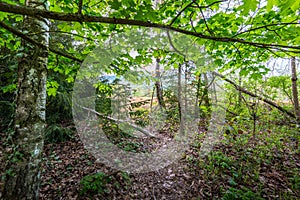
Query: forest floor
191	177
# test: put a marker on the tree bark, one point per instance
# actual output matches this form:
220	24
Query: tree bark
159	91
206	93
295	90
182	99
198	86
24	167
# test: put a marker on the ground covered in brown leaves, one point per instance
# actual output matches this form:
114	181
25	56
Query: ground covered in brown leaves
232	171
65	164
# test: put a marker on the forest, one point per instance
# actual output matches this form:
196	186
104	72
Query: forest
149	99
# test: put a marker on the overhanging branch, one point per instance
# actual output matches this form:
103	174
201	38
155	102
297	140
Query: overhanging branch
32	41
23	10
63	32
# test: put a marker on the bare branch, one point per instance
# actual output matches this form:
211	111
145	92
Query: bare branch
144	131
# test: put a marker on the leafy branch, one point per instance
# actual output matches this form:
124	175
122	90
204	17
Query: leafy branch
203	17
180	12
265	26
32	41
209	5
23	10
63	32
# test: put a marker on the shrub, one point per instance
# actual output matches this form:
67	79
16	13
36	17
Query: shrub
56	133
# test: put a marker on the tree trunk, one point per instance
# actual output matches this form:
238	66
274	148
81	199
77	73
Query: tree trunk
240	99
159	91
295	90
23	169
181	106
179	90
206	93
197	104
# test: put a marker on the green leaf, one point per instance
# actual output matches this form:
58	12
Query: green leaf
249	5
256	76
288	5
3	15
52	87
9	88
115	4
270	4
70	79
296	5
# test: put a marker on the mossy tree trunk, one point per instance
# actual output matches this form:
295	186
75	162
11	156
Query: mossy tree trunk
24	165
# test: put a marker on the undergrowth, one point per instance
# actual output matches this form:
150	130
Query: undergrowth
247	164
101	183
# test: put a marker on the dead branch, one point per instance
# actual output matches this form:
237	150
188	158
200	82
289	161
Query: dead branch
267	101
145	132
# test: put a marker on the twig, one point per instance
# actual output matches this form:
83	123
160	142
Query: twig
265	26
274	32
192	25
205	22
153	193
209	5
174	19
172	45
80	7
